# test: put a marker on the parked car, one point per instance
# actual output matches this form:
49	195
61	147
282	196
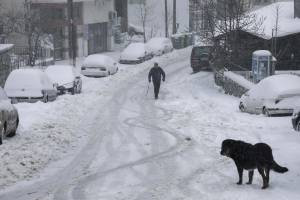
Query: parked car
9	118
135	53
274	95
65	77
296	119
29	85
200	58
159	45
98	66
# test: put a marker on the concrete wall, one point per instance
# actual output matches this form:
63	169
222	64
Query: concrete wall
97	12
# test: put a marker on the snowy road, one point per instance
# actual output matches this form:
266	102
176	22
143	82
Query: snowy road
139	148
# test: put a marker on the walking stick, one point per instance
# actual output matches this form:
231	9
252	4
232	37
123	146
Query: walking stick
148	88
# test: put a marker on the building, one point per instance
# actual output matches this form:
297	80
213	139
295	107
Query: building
283	41
200	11
94	21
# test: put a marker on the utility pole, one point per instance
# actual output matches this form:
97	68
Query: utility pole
174	17
72	41
166	18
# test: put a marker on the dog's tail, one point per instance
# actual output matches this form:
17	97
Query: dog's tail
278	168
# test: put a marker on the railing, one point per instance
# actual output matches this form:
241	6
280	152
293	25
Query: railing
21	57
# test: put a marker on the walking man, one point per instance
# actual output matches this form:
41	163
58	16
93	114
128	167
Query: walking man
156	74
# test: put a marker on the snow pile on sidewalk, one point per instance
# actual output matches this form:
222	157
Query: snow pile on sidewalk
207	116
239	79
56	130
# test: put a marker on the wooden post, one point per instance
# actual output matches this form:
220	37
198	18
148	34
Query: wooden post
174	17
72	42
166	18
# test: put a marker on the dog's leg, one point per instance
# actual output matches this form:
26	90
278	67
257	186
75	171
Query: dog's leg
240	171
261	171
267	171
250	177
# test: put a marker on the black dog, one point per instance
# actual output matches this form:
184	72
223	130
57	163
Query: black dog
249	157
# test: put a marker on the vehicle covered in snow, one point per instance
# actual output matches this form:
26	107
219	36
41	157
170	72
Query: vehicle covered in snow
9	118
135	53
65	78
97	65
274	95
159	45
200	58
29	85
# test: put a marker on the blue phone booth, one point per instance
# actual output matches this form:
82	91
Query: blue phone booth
263	65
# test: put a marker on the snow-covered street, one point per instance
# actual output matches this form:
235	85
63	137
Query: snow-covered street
115	142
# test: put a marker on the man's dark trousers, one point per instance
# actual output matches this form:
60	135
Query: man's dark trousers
156	85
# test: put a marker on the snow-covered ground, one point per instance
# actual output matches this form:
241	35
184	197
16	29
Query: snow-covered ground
115	142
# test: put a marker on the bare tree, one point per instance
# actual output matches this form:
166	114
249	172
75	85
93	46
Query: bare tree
32	30
224	19
145	16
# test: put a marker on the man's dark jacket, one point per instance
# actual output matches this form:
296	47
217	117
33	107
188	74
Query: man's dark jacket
156	73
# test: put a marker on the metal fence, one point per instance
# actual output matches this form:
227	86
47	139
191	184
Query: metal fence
19	57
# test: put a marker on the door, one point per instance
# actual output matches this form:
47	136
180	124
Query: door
97	38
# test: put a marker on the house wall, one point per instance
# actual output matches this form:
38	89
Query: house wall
97	12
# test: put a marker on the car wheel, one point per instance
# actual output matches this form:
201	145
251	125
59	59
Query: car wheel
242	107
2	135
298	125
13	132
46	99
73	90
266	112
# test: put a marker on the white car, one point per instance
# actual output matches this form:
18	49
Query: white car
66	78
135	53
29	85
159	46
274	95
97	65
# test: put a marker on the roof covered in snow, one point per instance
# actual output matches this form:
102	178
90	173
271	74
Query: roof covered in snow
287	24
5	47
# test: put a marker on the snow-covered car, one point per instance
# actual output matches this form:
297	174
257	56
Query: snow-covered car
135	53
159	45
97	65
65	78
9	118
29	85
274	95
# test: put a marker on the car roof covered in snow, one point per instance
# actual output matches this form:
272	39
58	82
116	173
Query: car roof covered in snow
277	86
61	74
98	60
5	47
158	43
31	80
134	51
